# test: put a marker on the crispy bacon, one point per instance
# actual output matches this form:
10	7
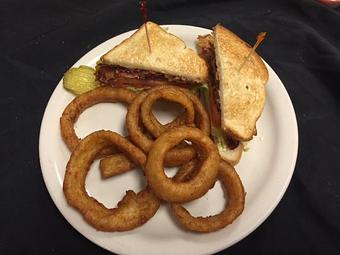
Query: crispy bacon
117	76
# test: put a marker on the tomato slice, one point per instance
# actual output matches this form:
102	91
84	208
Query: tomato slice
214	111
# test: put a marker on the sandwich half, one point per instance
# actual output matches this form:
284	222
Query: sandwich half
236	84
170	61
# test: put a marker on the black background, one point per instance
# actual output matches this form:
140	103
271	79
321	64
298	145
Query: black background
40	40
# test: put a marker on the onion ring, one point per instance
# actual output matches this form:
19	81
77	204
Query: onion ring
84	101
179	192
233	188
132	211
118	164
174	157
169	94
81	103
202	120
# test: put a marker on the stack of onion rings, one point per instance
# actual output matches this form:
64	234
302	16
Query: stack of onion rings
140	111
153	146
176	156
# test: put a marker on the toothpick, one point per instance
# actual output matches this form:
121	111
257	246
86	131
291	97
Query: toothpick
147	36
259	40
144	11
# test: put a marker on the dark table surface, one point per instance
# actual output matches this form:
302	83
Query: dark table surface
42	39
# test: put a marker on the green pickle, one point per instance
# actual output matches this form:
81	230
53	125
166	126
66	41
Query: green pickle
79	80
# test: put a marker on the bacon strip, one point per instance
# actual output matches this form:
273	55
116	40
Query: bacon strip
117	76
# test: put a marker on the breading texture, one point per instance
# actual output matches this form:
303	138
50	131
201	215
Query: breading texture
132	211
164	187
234	192
80	104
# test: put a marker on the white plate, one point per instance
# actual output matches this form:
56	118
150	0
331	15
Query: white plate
265	170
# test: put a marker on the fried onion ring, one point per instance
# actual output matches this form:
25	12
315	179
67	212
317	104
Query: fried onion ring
169	94
235	193
174	157
132	211
118	164
202	120
84	101
180	192
81	103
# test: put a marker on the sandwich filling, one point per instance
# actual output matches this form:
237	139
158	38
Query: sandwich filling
207	51
206	44
118	76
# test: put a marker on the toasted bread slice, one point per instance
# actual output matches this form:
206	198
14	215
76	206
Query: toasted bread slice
169	55
242	92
